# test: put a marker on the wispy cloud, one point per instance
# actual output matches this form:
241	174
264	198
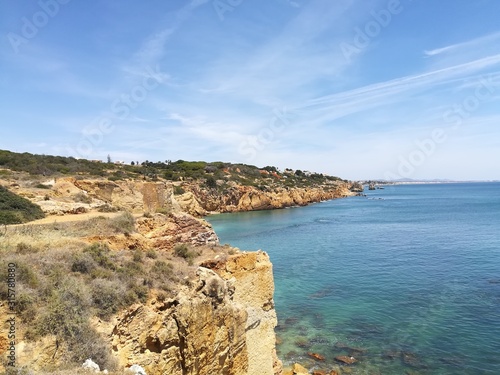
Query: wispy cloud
377	94
474	43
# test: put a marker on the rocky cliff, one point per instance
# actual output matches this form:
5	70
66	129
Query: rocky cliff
248	198
220	322
70	195
224	324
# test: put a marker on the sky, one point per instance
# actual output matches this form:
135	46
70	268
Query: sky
356	89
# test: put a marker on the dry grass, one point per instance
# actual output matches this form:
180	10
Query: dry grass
63	282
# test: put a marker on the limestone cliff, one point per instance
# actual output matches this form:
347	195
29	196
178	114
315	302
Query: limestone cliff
248	198
222	325
70	195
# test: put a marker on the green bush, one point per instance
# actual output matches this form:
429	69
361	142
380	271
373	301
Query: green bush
183	251
27	276
24	248
137	257
210	182
100	253
124	223
83	263
178	190
106	297
162	268
67	312
151	253
26	307
17	210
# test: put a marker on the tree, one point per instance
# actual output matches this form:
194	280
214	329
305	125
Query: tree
109	158
132	163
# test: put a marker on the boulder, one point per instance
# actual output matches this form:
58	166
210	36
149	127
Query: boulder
136	370
299	370
346	359
91	365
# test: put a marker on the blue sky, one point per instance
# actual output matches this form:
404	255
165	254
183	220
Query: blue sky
358	89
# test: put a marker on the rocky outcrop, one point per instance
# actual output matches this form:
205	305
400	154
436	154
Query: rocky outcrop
248	198
223	325
135	196
164	232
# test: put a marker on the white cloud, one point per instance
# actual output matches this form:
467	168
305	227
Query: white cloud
470	44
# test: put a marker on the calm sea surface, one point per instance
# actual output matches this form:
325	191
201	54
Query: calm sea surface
406	280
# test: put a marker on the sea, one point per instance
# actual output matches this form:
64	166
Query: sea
406	279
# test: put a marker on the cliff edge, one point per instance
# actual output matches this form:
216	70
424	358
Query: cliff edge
223	324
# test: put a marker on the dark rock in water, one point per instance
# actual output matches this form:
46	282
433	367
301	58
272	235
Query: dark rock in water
316	356
369	329
291	321
391	355
303	343
494	281
352	350
320	340
279	328
410	359
345	359
325	292
453	361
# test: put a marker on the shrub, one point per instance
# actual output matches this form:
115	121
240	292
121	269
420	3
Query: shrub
183	251
132	269
137	257
124	223
83	263
27	276
140	292
26	307
162	268
106	297
17	210
90	344
210	182
67	311
42	186
24	248
151	253
100	253
107	208
178	190
162	273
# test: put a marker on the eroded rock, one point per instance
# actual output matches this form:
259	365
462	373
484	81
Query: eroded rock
219	326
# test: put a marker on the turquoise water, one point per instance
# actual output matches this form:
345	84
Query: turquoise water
406	280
